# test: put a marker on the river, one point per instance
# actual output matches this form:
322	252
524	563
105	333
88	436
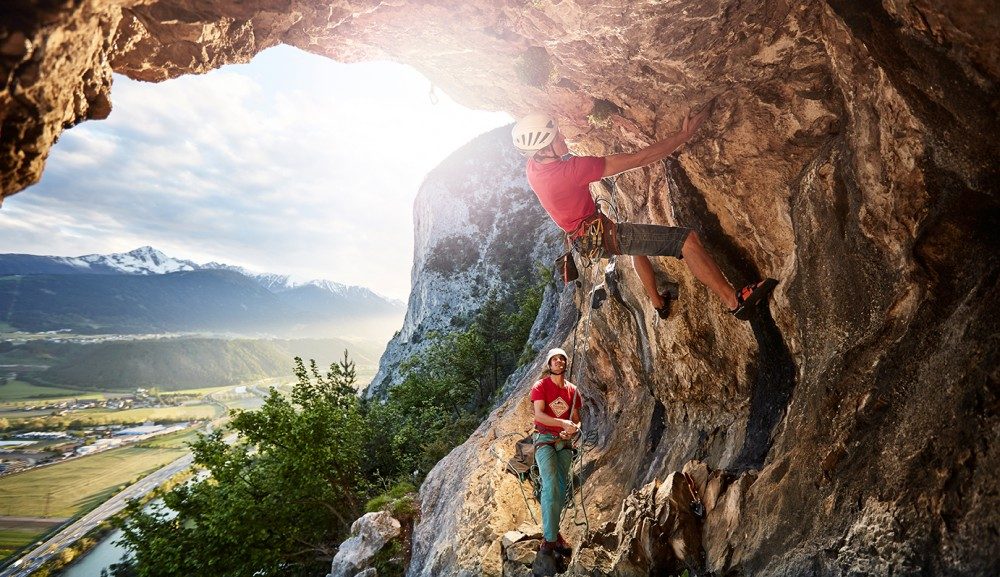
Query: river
100	557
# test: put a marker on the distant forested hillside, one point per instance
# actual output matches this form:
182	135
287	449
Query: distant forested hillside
184	301
214	301
168	364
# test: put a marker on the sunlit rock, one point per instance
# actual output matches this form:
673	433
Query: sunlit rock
368	535
478	230
852	154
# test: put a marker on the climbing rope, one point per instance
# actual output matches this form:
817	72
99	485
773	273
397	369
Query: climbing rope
583	442
590	440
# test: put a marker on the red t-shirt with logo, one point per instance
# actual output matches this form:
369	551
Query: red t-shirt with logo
557	402
563	188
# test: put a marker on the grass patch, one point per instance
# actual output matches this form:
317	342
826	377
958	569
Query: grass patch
13	539
72	487
601	113
20	390
399	501
178	440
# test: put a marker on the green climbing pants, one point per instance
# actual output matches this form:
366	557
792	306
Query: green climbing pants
554	462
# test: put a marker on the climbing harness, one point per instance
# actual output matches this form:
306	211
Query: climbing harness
590	238
522	465
596	237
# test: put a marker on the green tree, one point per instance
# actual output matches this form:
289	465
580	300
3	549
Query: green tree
448	388
279	498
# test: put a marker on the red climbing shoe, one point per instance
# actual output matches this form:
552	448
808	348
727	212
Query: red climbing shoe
748	297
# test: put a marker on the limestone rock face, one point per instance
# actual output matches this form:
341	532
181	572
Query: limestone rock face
478	229
852	154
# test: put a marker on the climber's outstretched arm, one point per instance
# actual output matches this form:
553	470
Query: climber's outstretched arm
618	163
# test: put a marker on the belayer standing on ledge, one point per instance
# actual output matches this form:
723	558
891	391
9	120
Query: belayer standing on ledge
556	406
561	182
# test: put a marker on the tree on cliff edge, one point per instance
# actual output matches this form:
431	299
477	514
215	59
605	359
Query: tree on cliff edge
279	499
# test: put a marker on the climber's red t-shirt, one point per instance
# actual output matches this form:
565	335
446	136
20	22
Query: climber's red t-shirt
563	188
557	402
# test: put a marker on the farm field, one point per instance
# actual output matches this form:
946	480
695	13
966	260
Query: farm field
21	391
17	394
262	383
193	412
72	487
178	440
245	404
98	417
17	534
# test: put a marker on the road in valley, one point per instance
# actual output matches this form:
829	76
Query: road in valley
31	561
35	558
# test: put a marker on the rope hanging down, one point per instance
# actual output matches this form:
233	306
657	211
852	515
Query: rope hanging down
585	441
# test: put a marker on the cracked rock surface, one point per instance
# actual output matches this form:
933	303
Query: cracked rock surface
851	428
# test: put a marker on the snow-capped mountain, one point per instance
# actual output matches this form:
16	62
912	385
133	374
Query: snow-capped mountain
145	290
147	260
270	281
143	260
278	283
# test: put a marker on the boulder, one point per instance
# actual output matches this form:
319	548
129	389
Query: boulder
368	535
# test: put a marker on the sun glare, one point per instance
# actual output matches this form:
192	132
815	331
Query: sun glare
291	164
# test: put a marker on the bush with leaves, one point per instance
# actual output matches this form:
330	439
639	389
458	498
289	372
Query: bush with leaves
449	388
281	496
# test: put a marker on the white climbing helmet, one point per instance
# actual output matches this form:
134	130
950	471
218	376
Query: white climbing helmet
555	353
534	132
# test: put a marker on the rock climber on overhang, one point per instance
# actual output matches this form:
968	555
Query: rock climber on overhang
561	182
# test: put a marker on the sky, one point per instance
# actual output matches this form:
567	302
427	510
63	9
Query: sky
291	164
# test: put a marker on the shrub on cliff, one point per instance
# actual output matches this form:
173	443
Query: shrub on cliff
280	496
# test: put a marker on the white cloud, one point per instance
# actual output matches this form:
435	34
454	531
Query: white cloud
291	164
82	149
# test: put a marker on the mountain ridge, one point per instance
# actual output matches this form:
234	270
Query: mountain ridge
145	291
147	260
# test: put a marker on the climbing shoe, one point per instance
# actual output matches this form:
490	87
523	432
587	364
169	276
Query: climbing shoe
748	297
669	295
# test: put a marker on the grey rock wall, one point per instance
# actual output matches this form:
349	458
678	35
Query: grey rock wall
477	228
